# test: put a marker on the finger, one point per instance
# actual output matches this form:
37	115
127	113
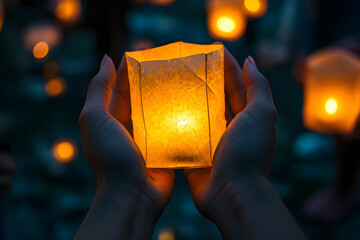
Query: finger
259	97
234	85
99	92
120	105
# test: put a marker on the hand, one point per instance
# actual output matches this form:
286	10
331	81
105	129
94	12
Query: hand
248	144
115	158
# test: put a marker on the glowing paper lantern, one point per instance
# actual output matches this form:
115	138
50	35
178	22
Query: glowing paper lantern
55	86
177	103
68	10
225	19
64	150
332	91
255	8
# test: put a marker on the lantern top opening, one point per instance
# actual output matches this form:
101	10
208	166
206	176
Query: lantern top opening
173	50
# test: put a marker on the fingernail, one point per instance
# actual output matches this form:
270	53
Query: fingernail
251	60
104	60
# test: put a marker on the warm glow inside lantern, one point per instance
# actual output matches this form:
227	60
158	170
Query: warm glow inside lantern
255	8
332	92
177	103
225	19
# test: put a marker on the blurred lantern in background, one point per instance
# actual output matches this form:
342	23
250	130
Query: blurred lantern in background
41	38
68	11
225	19
161	2
332	91
55	86
64	150
2	14
177	103
41	49
255	8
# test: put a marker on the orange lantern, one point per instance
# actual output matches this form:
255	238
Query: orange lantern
225	19
177	103
68	10
332	92
255	8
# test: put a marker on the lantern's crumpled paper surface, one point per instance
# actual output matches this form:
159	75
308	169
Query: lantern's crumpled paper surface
332	74
178	103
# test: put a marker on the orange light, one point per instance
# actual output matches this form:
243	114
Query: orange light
41	33
166	234
68	10
64	150
255	8
177	103
55	86
225	20
40	50
332	92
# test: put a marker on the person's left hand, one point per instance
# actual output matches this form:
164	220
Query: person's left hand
110	150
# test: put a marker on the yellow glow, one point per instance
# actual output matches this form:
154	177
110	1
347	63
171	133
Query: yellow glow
178	105
225	24
252	5
68	10
55	86
331	106
332	92
41	49
255	8
226	20
64	151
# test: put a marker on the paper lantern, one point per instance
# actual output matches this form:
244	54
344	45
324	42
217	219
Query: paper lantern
225	19
255	8
332	92
177	103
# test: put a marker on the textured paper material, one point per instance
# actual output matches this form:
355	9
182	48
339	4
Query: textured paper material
332	75
177	103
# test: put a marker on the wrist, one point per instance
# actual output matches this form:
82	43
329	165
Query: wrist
227	207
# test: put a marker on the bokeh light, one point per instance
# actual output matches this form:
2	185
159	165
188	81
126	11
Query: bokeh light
64	150
166	234
331	106
255	8
55	86
41	49
226	24
36	33
68	10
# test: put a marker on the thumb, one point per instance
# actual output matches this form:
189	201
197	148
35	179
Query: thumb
259	97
